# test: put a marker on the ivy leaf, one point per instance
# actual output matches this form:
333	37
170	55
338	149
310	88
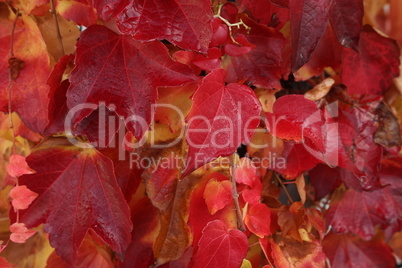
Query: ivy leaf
220	247
22	197
258	220
296	118
29	91
77	190
345	250
346	19
217	195
372	68
182	22
261	65
75	10
308	20
107	71
226	116
361	212
89	255
20	233
18	166
146	221
199	212
57	95
288	252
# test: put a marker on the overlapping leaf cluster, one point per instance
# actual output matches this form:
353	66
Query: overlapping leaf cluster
304	85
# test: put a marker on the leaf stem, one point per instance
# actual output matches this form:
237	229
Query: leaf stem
235	194
53	11
284	188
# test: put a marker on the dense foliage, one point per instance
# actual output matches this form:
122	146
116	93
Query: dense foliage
199	133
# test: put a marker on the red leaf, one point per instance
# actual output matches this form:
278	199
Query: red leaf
77	191
219	247
246	174
361	212
100	127
19	233
324	179
258	220
296	118
265	12
89	255
108	9
57	95
351	144
185	23
346	19
220	118
146	221
29	91
77	11
107	71
262	65
346	250
294	160
5	264
128	175
220	32
199	213
308	20
18	166
372	68
327	54
217	195
22	197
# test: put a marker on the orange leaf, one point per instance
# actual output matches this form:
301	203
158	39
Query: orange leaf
258	220
22	197
20	233
18	166
217	195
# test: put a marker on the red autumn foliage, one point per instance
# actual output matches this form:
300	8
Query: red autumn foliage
124	126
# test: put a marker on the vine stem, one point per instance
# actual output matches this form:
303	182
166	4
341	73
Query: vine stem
284	188
235	194
230	25
10	83
53	11
10	86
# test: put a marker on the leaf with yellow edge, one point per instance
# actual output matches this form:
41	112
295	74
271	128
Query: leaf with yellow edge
77	191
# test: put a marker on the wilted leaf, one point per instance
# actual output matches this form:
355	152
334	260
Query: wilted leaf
291	253
29	91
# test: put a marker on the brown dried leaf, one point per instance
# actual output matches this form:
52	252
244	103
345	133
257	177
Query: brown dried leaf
320	90
388	132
